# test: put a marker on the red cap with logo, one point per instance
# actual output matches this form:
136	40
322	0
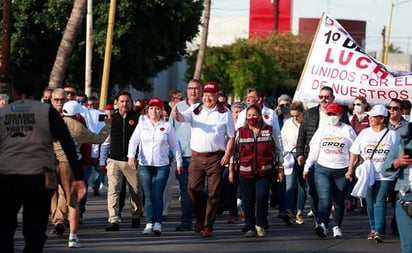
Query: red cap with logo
211	87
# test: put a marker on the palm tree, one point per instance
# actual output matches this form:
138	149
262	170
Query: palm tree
203	41
67	43
5	46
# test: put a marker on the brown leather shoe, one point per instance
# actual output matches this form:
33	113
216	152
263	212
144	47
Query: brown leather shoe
207	232
198	226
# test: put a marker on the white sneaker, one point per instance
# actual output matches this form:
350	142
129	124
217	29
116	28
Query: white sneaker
337	233
321	230
148	229
157	228
74	243
310	214
239	203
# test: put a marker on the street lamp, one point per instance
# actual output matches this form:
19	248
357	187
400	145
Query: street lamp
386	49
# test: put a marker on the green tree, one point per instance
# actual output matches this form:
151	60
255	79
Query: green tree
273	63
149	36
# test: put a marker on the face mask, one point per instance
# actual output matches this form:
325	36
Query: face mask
252	121
333	120
357	109
285	109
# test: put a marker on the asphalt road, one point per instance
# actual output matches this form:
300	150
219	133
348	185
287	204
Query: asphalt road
226	237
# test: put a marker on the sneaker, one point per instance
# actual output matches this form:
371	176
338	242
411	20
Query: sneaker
74	243
148	229
310	214
260	231
337	233
321	230
286	218
371	235
135	223
250	233
58	229
299	219
157	228
239	203
113	227
378	237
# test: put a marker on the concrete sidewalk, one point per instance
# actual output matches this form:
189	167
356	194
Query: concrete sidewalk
226	237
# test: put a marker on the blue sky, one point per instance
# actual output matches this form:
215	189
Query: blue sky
375	12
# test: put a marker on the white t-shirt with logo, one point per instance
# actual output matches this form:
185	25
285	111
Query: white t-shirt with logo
366	142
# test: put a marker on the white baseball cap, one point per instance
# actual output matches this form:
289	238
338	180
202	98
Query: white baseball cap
71	108
378	110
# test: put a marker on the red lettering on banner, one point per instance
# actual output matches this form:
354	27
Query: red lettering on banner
359	62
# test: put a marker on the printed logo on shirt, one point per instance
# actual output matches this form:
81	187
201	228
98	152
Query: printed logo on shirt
20	121
266	116
333	145
265	133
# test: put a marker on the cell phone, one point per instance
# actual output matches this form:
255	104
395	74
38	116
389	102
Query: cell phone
408	152
102	117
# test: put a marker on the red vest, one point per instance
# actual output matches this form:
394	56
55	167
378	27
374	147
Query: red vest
255	154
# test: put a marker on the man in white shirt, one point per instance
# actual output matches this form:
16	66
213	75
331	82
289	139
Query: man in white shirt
212	139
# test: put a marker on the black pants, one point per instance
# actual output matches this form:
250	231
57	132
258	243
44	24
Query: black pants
29	192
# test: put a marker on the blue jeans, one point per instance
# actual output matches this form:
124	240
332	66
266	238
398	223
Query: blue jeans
291	189
376	204
186	205
302	191
255	193
404	226
311	191
98	179
331	184
153	181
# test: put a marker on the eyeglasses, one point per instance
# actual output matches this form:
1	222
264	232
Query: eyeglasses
331	114
59	99
83	101
324	97
193	88
394	108
357	104
283	105
71	93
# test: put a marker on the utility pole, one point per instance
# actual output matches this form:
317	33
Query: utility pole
107	55
383	33
89	49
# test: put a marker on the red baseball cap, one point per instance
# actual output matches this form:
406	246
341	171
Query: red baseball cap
108	107
155	102
333	108
211	87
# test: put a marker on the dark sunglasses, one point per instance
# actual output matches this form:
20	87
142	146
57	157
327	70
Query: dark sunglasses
395	108
324	97
71	93
283	105
357	104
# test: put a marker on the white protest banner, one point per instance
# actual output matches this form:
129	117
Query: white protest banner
337	61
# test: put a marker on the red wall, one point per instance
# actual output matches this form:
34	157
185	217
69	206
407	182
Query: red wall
262	17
